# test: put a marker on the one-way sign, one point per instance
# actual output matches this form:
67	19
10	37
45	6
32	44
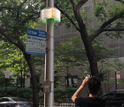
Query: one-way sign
36	42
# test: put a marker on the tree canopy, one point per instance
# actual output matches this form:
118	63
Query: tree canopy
108	16
16	16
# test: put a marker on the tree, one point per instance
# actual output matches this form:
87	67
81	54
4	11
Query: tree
12	59
109	16
69	55
15	17
5	81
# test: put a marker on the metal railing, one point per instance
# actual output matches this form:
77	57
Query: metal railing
64	105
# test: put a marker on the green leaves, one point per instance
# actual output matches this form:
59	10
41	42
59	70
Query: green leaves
15	18
107	9
14	91
62	93
69	52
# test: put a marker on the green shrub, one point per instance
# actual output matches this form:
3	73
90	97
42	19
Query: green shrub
66	92
16	92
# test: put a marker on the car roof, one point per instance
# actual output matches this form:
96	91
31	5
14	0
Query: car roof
9	97
115	91
12	97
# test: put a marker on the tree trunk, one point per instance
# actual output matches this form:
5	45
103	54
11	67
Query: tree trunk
33	80
90	54
21	78
88	45
31	67
67	79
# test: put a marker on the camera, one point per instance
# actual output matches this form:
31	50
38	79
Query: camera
87	76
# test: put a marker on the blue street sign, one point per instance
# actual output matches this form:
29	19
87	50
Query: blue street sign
37	33
36	42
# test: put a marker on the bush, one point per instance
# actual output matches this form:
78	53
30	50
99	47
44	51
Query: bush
16	92
61	93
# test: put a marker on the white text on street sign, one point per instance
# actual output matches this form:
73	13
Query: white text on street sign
36	42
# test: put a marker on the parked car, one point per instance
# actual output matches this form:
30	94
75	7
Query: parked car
114	98
14	102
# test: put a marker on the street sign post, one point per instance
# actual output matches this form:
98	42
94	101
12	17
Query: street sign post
47	86
36	42
49	15
118	75
7	74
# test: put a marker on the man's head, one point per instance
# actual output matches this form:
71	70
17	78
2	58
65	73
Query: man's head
94	85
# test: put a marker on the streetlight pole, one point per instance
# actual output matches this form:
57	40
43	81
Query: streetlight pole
49	59
49	15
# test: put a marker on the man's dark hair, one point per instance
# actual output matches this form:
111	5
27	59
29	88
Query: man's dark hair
94	85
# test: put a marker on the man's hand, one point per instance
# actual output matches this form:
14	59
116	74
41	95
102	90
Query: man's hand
84	83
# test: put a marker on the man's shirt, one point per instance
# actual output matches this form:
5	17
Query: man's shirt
89	102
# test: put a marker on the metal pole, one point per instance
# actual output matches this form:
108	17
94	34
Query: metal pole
6	88
49	59
115	82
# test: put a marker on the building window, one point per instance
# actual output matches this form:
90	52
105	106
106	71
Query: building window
20	82
71	81
56	81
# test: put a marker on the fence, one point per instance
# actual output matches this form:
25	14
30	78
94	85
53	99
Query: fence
64	105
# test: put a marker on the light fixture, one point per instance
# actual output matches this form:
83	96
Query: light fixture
50	13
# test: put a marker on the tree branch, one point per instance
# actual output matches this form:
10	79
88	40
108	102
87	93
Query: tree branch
81	3
30	17
68	17
12	41
113	29
72	2
20	8
120	1
5	8
105	24
78	16
17	18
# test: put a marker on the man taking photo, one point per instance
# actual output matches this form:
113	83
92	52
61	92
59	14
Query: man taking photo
94	85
